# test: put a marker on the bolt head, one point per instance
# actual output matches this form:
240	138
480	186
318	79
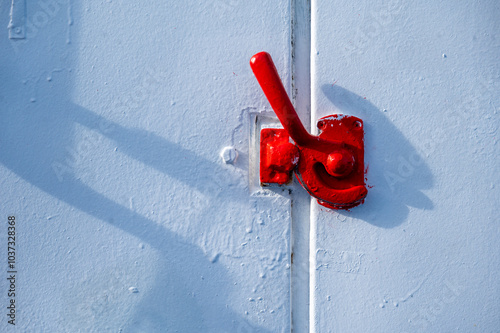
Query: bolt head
229	155
340	163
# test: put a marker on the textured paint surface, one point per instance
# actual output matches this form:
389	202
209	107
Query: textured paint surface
114	115
113	119
422	253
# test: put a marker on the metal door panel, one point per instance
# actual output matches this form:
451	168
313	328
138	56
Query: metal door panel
421	254
114	115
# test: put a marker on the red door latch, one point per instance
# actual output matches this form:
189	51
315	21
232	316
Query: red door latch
329	166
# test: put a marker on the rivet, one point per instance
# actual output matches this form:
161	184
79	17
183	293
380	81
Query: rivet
229	155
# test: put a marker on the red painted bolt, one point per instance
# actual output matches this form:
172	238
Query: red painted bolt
277	155
282	156
340	163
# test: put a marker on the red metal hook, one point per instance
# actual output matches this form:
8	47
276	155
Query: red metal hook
330	166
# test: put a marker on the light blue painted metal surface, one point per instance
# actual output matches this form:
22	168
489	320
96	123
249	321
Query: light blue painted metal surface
120	124
422	254
113	118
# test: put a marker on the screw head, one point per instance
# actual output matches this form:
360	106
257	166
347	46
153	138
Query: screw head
229	155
